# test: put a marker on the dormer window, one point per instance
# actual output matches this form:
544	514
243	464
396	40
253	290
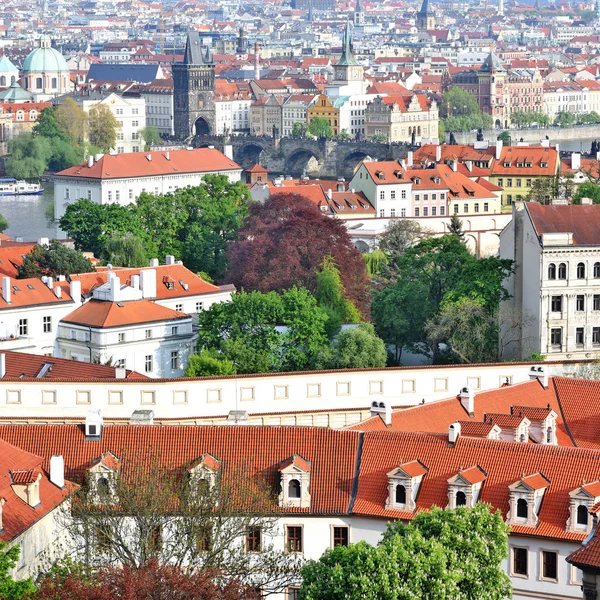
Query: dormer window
204	473
464	488
528	165
295	482
506	165
102	478
582	500
544	165
26	485
525	500
542	427
404	483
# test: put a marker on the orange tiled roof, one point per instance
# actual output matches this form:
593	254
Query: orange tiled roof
535	155
22	467
581	221
473	475
475	428
12	256
32	292
102	314
136	164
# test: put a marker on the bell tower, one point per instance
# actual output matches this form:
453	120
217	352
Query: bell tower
425	17
194	90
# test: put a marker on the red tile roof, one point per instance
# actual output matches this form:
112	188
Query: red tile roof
33	292
136	164
581	221
534	155
537	481
473	475
103	314
588	555
476	429
504	421
12	256
414	468
19	466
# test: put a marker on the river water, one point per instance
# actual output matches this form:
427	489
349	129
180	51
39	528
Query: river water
30	217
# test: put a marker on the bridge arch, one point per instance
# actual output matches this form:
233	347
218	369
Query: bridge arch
202	127
248	154
302	161
347	166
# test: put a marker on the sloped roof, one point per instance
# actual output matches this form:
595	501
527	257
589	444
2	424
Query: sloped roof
581	221
139	73
32	292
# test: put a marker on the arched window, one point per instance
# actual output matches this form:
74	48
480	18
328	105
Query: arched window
12	79
582	515
580	271
551	271
400	494
3	81
562	271
461	499
549	435
294	489
103	489
38	83
202	487
522	438
54	83
522	508
597	270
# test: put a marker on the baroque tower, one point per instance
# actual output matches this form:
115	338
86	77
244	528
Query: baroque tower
194	90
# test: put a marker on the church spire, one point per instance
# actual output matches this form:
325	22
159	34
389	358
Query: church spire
347	58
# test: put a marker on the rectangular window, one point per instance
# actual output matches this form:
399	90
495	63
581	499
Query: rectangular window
340	536
253	539
596	335
89	194
528	183
596	301
148	334
520	558
403	194
135	123
579	336
179	307
417	197
580	303
199	306
131	194
382	195
442	211
501	182
486	207
148	363
425	211
23	327
425	196
417	212
117	195
549	565
556	304
382	213
294	539
456	209
443	196
476	207
120	364
174	360
121	337
47	324
393	195
556	336
466	208
509	183
433	211
174	330
402	212
518	182
393	212
293	593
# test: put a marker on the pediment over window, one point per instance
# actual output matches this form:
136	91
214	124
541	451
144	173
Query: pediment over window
207	462
108	462
464	488
583	503
525	499
102	478
295	481
404	483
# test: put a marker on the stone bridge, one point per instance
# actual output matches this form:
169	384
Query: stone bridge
326	159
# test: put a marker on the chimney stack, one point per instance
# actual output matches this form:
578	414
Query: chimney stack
329	194
115	289
75	291
135	282
384	410
148	283
228	151
469	165
49	282
467	399
541	374
575	161
93	424
57	471
6	289
498	149
90	161
453	432
58	292
169	259
409	159
154	262
455	166
438	153
2	364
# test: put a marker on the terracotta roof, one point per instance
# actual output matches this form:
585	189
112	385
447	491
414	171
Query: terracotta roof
504	421
18	466
534	155
460	152
531	413
103	314
297	461
177	275
580	409
476	428
12	256
33	292
414	468
581	221
348	202
537	481
136	164
473	475
592	488
589	554
20	365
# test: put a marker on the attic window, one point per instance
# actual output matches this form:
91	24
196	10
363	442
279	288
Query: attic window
29	286
519	165
528	165
506	165
169	285
120	304
16	288
544	165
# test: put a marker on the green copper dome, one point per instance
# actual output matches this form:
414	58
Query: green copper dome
45	59
15	93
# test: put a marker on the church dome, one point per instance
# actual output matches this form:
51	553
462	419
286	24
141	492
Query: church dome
45	59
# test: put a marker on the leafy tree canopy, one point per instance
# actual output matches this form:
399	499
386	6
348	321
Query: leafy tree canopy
587	190
319	127
460	111
102	127
208	362
9	588
54	259
356	348
47	125
150	136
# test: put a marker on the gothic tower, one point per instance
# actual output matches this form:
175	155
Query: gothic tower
194	90
359	14
425	17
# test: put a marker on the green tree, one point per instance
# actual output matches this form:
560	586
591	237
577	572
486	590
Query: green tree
150	136
71	118
207	363
63	154
376	262
475	542
379	137
3	223
102	127
543	189
399	235
299	129
319	127
343	135
504	137
587	190
9	588
564	119
125	250
460	111
455	227
356	348
54	259
29	156
47	125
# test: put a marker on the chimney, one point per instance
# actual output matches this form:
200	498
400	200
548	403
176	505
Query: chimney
256	62
97	157
6	289
142	417
115	290
90	161
467	399
403	164
558	150
340	187
541	374
329	194
384	410
149	157
49	282
135	282
586	202
120	373
93	424
75	291
498	149
169	259
2	364
168	155
43	241
575	161
228	151
453	432
455	166
148	283
58	292
409	159
438	154
57	471
154	262
469	165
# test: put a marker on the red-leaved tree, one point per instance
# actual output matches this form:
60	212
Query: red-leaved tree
149	582
283	244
